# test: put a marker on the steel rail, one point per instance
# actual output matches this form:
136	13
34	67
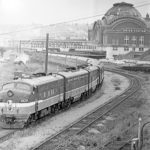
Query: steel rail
116	144
7	135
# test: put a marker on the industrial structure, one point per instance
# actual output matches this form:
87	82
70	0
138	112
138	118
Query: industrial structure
56	44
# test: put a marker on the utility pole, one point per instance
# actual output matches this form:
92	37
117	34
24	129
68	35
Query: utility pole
46	56
139	133
134	144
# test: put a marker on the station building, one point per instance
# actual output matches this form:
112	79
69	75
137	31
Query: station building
121	30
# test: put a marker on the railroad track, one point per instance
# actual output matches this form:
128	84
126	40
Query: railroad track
81	125
123	142
5	134
119	145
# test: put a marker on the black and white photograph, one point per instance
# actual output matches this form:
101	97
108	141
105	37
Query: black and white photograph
75	75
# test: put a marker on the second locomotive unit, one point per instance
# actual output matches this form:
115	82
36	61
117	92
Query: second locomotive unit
23	101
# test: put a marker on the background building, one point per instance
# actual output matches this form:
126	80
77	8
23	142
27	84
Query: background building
121	30
55	44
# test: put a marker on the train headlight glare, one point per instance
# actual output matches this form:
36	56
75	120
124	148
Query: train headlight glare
9	105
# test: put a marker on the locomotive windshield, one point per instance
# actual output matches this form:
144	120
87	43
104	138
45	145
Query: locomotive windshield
8	86
19	86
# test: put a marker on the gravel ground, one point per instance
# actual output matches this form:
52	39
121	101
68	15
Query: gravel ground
24	140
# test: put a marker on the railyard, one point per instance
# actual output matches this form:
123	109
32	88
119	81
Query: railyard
86	86
94	105
113	83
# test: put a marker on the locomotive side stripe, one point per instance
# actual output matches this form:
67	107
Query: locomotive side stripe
29	108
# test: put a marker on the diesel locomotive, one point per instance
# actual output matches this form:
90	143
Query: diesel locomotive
25	100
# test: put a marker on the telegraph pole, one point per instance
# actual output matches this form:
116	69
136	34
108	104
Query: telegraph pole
46	56
139	133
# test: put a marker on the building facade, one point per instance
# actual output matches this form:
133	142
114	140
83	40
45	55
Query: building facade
121	30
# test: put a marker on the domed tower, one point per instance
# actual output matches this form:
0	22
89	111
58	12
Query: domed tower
121	30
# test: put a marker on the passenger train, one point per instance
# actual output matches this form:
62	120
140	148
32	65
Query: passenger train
25	100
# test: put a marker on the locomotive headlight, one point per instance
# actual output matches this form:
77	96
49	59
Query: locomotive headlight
9	105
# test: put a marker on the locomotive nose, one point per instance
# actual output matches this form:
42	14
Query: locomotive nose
13	96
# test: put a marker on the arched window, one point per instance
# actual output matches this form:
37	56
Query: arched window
141	40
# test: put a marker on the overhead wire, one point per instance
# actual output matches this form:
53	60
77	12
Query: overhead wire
141	5
50	25
70	21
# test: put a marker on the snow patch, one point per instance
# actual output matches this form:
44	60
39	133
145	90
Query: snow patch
93	131
109	118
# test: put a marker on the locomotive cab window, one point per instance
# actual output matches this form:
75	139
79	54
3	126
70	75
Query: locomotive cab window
8	86
22	86
35	90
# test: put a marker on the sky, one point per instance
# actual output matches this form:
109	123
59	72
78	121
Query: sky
47	12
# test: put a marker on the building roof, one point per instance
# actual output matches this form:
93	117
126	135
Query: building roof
121	10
